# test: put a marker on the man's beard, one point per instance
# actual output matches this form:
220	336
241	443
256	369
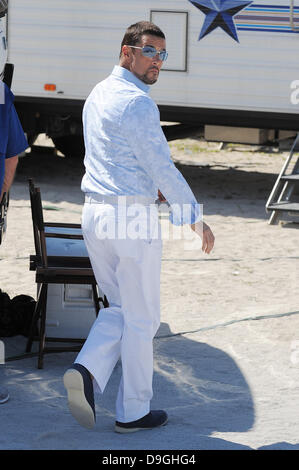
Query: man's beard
148	81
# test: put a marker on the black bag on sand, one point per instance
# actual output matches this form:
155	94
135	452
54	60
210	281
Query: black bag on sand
15	314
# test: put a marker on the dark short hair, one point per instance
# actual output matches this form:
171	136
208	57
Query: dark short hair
134	33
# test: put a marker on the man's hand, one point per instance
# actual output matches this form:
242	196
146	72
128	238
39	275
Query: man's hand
206	234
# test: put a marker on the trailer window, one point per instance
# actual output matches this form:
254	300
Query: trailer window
174	25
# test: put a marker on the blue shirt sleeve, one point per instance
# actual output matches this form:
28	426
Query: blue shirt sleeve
12	138
142	129
16	142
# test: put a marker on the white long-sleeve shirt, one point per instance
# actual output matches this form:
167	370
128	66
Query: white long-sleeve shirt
126	152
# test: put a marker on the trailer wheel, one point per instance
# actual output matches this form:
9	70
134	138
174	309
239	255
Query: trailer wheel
70	145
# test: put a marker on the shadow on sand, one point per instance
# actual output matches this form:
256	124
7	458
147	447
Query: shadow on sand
201	387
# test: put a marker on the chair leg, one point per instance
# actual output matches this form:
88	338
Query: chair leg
34	320
42	332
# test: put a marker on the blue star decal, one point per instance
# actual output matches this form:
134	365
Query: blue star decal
220	13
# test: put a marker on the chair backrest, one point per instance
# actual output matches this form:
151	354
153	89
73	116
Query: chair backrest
38	223
32	205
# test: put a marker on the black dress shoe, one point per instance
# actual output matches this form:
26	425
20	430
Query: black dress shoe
152	420
79	386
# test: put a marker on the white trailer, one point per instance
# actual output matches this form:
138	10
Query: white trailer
231	62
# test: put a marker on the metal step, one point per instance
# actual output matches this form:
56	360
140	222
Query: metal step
284	206
290	177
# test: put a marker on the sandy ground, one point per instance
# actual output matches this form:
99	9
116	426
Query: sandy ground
227	351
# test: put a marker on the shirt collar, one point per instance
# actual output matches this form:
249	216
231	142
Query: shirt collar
130	77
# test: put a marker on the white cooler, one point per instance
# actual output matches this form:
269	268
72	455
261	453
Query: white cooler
70	310
70	307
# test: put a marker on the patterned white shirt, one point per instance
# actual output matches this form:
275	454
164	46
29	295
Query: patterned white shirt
126	152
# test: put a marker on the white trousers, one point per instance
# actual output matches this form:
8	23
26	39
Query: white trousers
128	272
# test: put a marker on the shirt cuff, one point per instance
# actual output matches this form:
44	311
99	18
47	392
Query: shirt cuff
181	214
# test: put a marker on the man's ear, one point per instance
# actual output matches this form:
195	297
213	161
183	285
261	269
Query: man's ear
126	52
126	57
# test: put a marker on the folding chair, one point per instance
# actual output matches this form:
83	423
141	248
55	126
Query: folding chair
59	231
55	263
57	227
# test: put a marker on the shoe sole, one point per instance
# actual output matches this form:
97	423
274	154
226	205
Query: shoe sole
78	405
122	430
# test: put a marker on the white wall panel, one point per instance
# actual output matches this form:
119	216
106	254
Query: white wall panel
75	44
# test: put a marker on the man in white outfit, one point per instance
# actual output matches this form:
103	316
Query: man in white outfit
127	163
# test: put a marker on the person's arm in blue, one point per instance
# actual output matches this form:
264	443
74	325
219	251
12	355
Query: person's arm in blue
10	170
16	142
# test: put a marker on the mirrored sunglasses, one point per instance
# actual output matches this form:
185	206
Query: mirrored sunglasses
151	52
